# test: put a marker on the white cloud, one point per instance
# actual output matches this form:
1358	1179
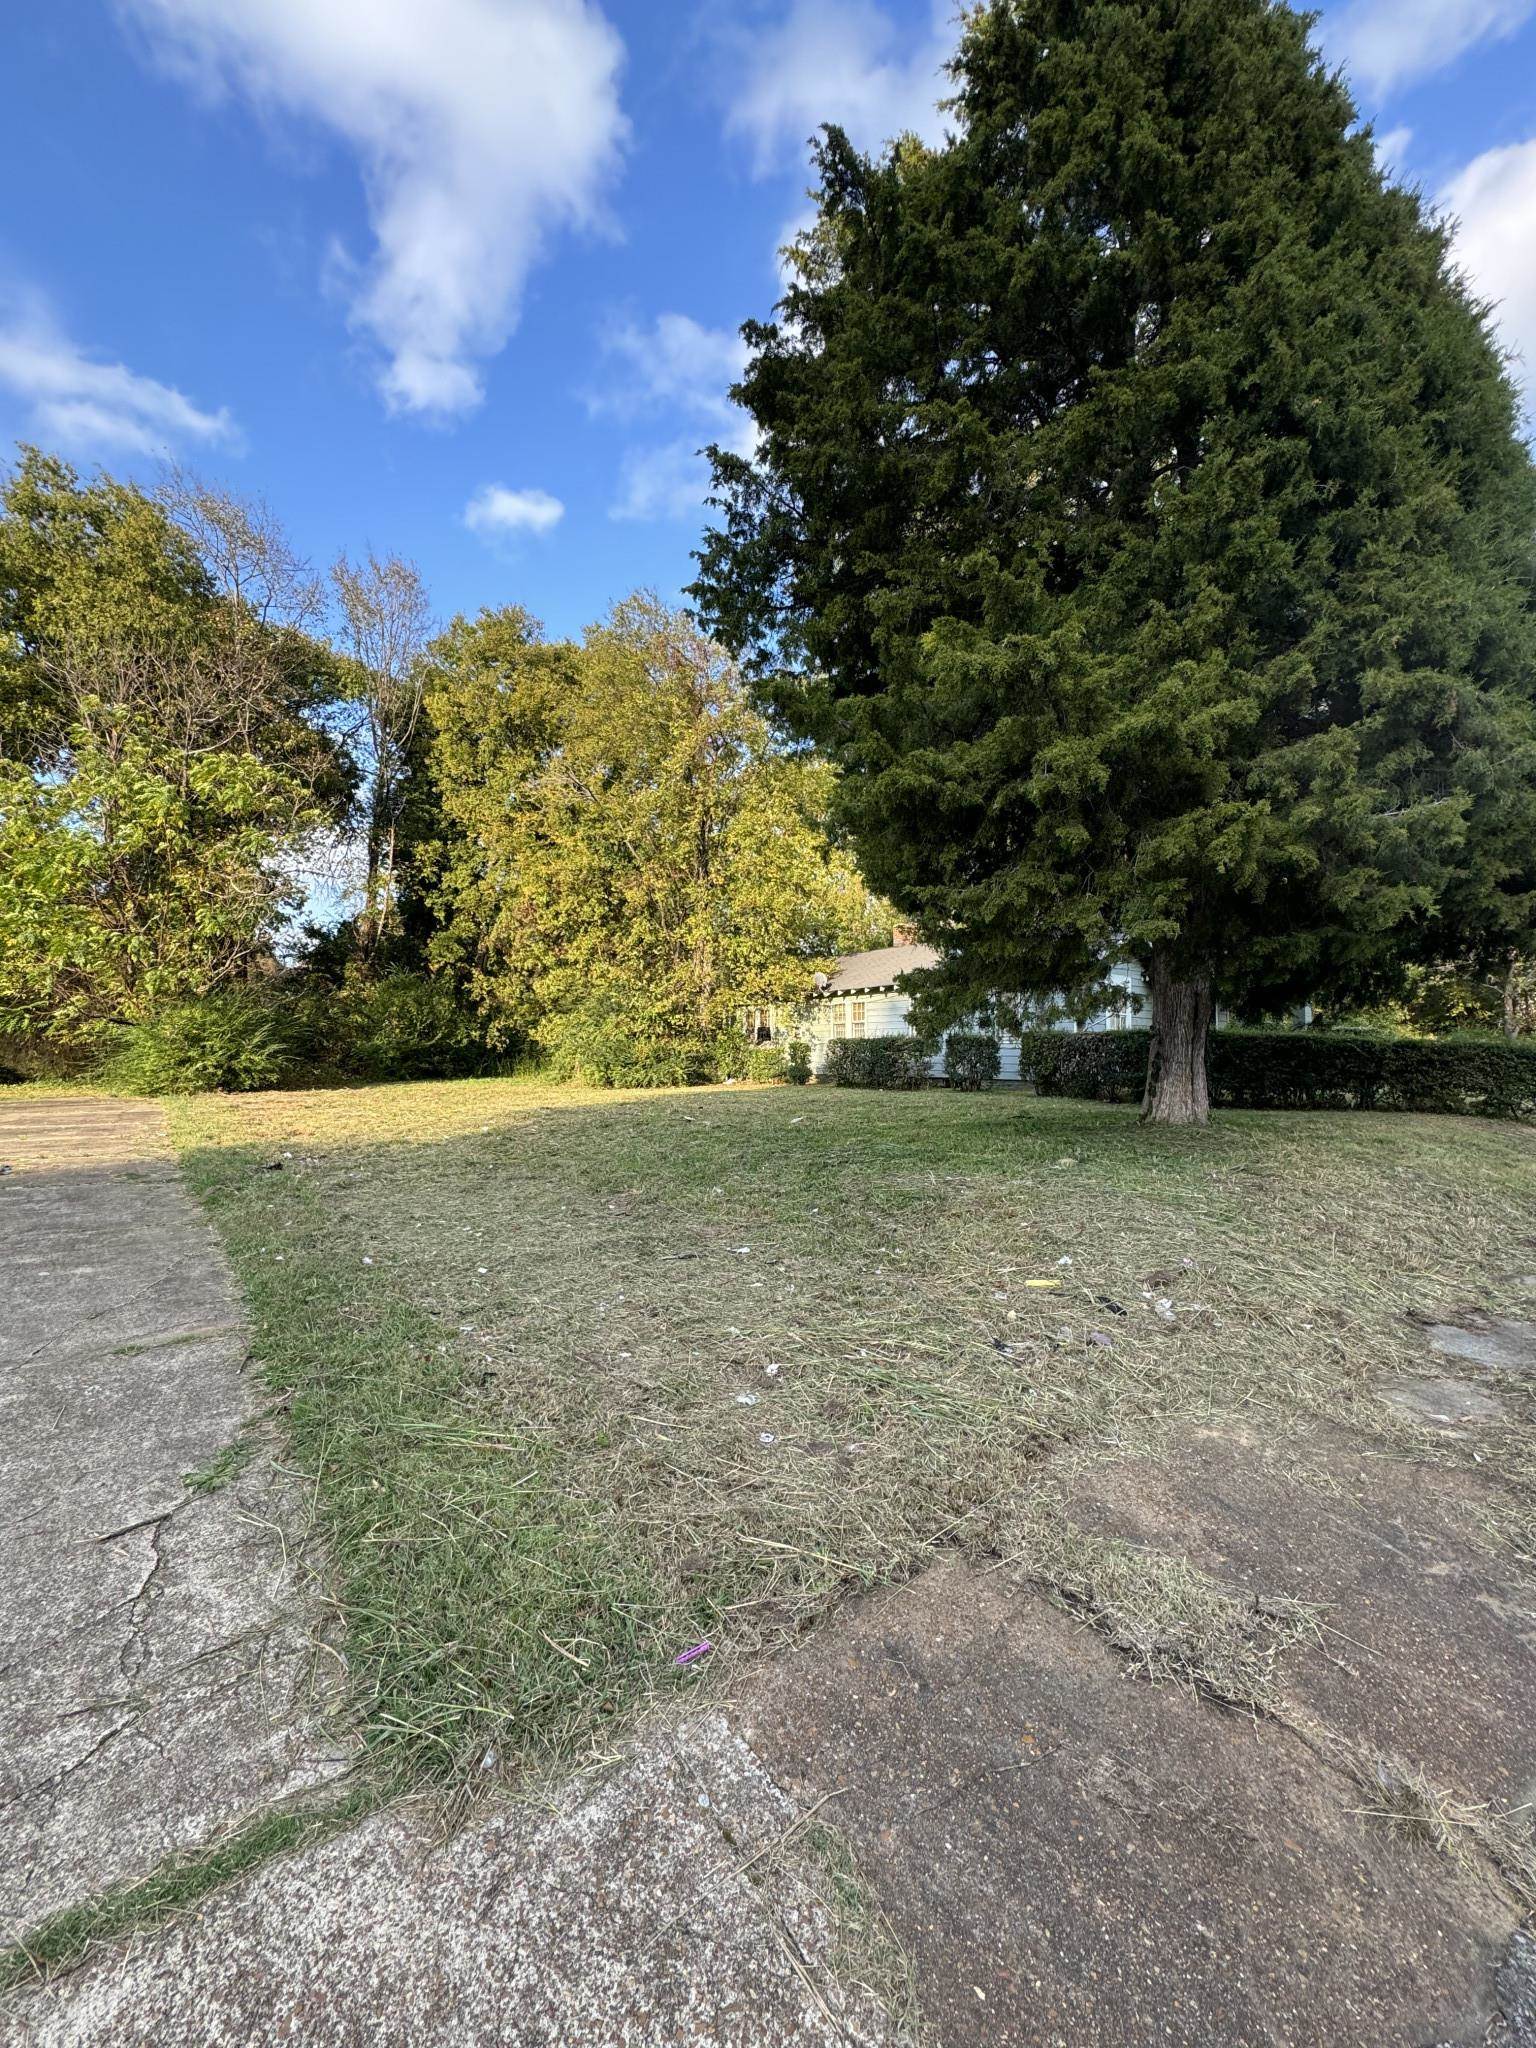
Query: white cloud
1392	150
666	482
479	127
495	512
78	403
1386	44
1494	201
679	369
676	361
843	61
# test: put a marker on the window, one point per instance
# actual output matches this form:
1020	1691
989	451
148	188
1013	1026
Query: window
856	1022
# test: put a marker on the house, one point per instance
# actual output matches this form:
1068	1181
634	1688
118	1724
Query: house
859	999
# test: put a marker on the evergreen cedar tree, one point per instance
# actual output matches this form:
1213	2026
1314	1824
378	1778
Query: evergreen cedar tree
1140	520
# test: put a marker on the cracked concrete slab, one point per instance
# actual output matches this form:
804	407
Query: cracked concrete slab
1071	1854
163	1673
646	1909
1497	1343
1440	1403
1429	1646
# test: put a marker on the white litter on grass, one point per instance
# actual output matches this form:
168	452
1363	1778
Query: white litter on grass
747	1400
366	1261
1065	1259
771	1370
767	1436
482	1269
737	1250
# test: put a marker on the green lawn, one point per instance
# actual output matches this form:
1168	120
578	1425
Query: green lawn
581	1379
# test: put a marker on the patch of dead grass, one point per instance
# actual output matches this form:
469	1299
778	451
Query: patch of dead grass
1171	1620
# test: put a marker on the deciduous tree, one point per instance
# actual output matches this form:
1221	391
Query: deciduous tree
386	620
165	754
631	855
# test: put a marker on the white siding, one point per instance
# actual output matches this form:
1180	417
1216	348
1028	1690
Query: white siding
884	1013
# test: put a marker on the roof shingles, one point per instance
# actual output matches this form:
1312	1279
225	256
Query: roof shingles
878	969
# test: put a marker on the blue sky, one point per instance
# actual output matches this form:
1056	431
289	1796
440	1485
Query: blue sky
461	278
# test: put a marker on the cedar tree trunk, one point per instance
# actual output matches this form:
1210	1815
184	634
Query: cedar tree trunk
1177	1089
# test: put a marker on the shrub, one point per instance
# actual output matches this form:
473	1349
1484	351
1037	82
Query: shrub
898	1061
797	1063
401	1026
236	1039
1466	1075
764	1063
614	1039
1096	1066
972	1059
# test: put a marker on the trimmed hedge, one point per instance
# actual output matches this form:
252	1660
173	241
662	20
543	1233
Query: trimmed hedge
894	1062
972	1059
1468	1075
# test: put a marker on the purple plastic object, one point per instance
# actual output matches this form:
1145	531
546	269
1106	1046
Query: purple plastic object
698	1650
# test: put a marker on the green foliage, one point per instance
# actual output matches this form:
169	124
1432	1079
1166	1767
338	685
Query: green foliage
1468	1075
797	1063
398	1026
1140	518
1460	996
897	1061
630	859
160	752
89	566
237	1039
972	1059
135	876
618	1038
1094	1066
765	1063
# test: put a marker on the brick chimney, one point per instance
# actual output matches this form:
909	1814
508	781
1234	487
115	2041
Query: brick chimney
904	935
